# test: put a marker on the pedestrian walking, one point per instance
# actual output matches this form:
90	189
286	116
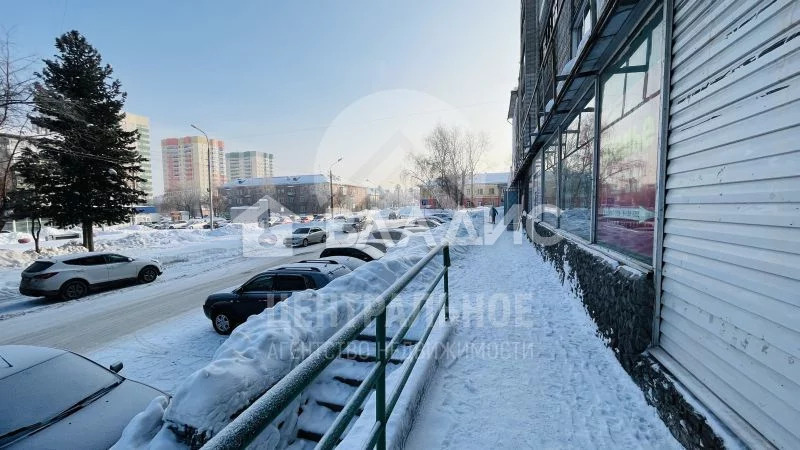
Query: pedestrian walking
493	213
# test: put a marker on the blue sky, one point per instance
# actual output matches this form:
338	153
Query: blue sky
307	81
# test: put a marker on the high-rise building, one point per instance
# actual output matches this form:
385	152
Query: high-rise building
185	163
251	164
133	122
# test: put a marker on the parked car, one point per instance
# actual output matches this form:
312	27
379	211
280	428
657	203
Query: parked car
228	309
353	225
321	217
304	236
382	245
361	251
340	218
443	216
180	224
62	234
75	275
57	399
423	222
392	234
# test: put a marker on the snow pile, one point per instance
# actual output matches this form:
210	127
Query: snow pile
266	347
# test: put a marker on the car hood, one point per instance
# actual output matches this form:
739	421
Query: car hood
99	424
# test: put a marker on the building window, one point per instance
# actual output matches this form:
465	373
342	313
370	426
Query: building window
550	197
576	172
629	145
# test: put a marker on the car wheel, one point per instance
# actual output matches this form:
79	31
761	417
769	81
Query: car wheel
324	238
223	324
305	242
148	274
74	289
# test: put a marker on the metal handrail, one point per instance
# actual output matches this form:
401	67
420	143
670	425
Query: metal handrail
252	421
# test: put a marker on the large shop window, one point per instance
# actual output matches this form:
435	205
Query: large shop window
576	172
550	200
536	188
629	146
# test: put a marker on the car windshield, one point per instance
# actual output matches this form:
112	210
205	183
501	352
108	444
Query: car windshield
42	392
301	231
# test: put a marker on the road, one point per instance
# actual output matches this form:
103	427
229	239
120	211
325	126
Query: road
89	323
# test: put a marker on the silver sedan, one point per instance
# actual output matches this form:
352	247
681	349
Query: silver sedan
305	235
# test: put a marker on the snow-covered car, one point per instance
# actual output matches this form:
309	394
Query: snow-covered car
57	399
443	216
361	251
62	234
227	309
181	224
353	224
392	234
304	236
424	222
75	275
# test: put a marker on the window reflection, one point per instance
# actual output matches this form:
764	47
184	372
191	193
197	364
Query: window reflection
550	200
576	172
629	146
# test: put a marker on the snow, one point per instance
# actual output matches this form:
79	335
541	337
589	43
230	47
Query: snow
265	348
525	367
548	106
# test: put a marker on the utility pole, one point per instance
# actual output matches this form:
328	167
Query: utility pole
330	180
210	185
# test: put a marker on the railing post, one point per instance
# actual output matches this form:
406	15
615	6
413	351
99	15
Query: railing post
380	382
446	256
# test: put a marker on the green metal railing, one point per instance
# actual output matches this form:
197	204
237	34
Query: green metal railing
258	416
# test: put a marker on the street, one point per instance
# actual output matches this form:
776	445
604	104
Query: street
88	324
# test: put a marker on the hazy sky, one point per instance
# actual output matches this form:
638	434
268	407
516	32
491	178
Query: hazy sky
308	81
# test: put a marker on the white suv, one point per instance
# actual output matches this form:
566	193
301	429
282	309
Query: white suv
72	276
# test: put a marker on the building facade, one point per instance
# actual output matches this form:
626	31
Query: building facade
133	122
299	194
185	164
655	157
486	189
250	164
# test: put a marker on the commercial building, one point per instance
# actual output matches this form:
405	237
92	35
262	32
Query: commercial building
300	194
185	164
133	122
656	161
250	164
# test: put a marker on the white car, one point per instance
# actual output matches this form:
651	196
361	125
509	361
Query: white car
73	276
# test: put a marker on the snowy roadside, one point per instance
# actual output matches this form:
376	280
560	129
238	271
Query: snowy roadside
261	351
163	355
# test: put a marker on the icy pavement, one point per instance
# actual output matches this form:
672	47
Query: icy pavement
525	368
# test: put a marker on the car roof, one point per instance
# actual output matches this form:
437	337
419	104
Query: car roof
16	358
366	248
321	266
68	256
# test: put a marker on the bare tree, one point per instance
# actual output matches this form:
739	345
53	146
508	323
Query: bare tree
451	158
16	100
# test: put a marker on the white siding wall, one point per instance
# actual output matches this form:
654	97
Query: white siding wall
731	267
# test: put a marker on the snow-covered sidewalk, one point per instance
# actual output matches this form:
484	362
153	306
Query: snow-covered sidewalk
525	368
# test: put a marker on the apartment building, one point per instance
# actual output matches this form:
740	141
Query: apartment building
133	122
249	164
185	163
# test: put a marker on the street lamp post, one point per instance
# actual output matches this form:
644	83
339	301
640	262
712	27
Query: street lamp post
330	180
210	185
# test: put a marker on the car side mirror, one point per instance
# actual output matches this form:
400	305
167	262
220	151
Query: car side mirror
130	259
116	367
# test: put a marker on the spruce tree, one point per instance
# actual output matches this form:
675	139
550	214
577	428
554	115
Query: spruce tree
95	165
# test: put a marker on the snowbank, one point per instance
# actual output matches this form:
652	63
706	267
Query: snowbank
266	347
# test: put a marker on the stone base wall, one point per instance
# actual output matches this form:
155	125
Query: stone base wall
621	302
